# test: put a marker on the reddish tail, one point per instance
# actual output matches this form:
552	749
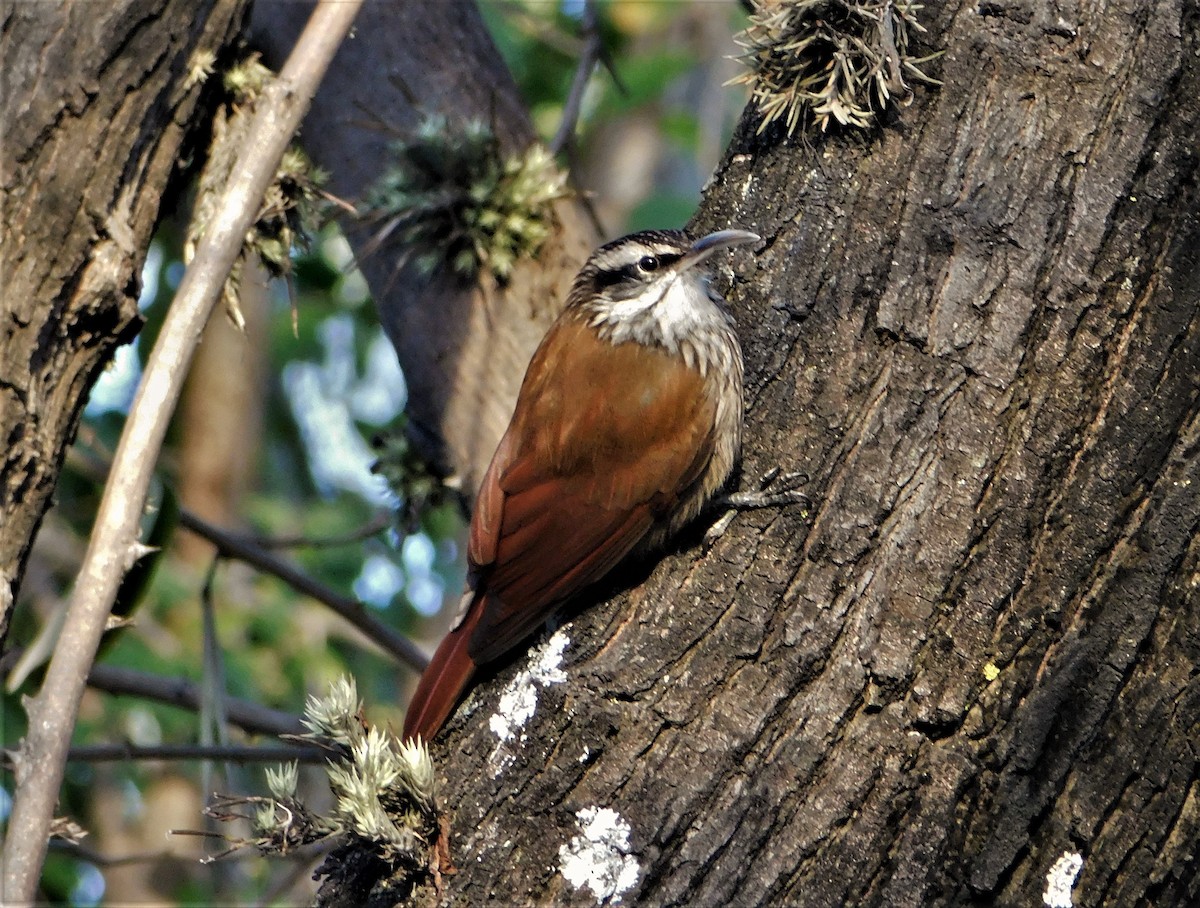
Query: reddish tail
444	681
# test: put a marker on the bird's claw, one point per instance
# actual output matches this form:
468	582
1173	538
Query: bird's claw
773	491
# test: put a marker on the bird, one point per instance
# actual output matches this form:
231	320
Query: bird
627	423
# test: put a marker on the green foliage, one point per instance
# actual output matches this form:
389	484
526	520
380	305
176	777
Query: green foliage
650	60
62	878
821	60
419	489
661	208
643	80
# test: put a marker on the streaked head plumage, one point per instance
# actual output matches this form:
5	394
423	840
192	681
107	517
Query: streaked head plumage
649	287
627	267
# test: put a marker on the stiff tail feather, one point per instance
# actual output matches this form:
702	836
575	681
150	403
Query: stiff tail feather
442	685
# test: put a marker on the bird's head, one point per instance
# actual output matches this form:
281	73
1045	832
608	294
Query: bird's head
651	287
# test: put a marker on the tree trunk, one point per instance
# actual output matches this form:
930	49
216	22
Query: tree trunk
971	664
463	347
97	103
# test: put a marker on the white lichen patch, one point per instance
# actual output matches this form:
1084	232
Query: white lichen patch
1061	880
599	859
519	700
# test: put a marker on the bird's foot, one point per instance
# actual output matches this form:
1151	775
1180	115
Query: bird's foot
774	491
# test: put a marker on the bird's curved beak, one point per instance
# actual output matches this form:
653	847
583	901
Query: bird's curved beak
715	242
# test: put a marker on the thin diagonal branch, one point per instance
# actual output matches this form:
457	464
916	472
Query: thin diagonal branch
232	545
372	527
245	714
114	546
81	851
593	49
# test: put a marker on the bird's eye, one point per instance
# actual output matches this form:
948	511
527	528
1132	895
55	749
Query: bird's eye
648	263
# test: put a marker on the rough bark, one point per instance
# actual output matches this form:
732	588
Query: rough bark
97	105
463	348
977	333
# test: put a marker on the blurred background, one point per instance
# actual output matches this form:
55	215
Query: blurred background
276	439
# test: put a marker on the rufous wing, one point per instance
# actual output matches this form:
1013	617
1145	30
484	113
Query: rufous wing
605	439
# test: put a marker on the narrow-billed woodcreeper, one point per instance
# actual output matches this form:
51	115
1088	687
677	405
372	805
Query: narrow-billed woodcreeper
627	423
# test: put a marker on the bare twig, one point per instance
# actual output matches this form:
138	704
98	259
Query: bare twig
302	856
232	753
593	49
92	856
372	527
214	722
114	546
234	546
245	714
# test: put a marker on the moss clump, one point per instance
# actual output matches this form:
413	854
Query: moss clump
452	201
813	61
417	484
291	212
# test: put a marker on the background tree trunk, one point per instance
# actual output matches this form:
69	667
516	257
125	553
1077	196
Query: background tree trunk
463	348
220	414
977	334
97	103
